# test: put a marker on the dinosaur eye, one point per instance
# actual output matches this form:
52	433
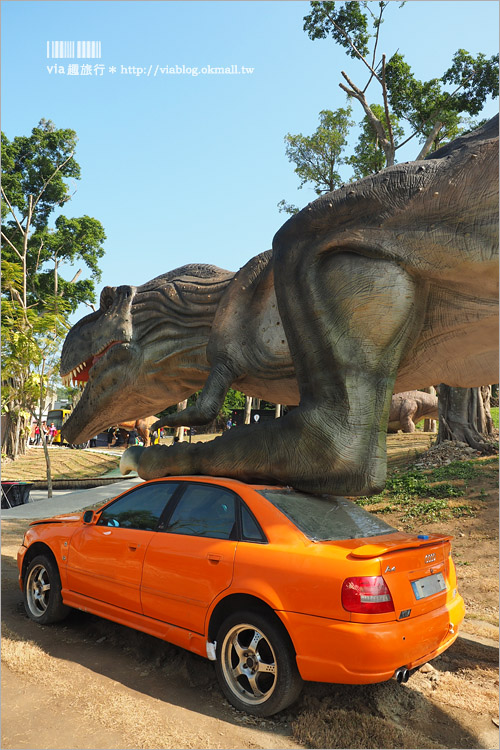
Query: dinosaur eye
107	297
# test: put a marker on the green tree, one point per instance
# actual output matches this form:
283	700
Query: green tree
36	300
427	106
368	156
35	174
317	157
30	357
433	113
233	400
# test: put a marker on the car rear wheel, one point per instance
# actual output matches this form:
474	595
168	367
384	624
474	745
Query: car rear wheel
42	591
256	665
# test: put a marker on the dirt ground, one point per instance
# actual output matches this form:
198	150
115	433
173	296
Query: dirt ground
89	683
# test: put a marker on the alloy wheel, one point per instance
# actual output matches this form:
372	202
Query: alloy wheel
38	590
249	664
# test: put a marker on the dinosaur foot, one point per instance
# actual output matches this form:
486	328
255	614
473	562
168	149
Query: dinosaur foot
297	450
130	459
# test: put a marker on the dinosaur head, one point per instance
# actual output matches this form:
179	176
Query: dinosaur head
94	354
143	350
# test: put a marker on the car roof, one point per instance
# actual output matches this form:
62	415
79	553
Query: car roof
224	481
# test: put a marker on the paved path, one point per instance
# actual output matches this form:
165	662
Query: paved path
66	501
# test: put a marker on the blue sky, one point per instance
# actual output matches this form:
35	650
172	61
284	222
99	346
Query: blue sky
181	168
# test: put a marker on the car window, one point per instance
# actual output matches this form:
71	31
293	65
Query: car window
326	518
139	509
204	510
251	532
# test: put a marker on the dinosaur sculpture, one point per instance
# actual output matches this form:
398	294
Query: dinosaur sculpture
411	407
142	426
387	284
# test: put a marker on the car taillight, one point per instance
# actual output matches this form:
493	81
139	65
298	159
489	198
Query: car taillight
367	595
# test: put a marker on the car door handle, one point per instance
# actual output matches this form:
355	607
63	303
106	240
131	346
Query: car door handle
214	559
133	547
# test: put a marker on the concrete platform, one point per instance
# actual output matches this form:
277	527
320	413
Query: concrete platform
66	501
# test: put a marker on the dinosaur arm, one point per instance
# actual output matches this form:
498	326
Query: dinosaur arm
209	401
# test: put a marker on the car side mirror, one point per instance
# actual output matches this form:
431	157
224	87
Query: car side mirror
88	516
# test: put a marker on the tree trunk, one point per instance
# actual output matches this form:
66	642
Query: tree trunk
430	140
15	433
47	462
462	417
277	411
179	432
14	440
248	409
488	427
43	438
430	424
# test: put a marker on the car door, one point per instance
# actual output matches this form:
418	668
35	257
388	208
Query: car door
105	558
191	560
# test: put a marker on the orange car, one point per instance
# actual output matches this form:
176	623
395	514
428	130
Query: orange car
275	586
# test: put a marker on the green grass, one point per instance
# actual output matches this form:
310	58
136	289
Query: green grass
405	491
494	415
456	470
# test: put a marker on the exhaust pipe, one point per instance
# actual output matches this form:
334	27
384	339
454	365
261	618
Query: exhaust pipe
401	675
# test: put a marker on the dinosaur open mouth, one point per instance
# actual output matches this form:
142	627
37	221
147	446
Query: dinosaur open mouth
80	374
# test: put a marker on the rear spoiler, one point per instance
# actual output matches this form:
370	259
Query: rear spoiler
375	550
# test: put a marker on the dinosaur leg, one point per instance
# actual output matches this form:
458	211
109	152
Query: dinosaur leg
406	415
348	320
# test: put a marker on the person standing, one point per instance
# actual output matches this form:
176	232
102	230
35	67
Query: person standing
52	432
111	436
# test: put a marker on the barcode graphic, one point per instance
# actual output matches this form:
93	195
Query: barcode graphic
68	49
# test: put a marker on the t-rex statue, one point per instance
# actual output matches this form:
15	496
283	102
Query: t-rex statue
409	408
386	284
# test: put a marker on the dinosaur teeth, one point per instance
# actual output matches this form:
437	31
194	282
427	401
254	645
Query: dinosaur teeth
71	377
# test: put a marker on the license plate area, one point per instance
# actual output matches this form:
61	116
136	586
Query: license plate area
424	587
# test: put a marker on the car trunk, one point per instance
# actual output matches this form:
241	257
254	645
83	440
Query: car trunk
416	570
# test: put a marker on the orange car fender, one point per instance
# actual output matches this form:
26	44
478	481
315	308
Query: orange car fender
53	537
255	588
258	589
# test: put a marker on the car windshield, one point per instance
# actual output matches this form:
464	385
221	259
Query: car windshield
326	518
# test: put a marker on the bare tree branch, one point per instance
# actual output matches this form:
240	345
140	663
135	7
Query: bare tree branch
354	48
44	186
377	125
4	236
430	140
386	105
382	8
12	211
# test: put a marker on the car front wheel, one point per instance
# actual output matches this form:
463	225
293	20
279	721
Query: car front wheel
42	591
256	665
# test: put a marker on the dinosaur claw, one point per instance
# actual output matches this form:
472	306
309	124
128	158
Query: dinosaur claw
130	459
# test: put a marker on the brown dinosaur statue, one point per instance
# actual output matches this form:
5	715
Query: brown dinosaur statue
387	284
409	408
142	427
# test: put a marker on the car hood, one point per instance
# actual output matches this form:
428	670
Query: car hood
68	518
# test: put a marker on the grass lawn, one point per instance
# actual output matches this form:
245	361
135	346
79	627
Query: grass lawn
494	415
65	464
